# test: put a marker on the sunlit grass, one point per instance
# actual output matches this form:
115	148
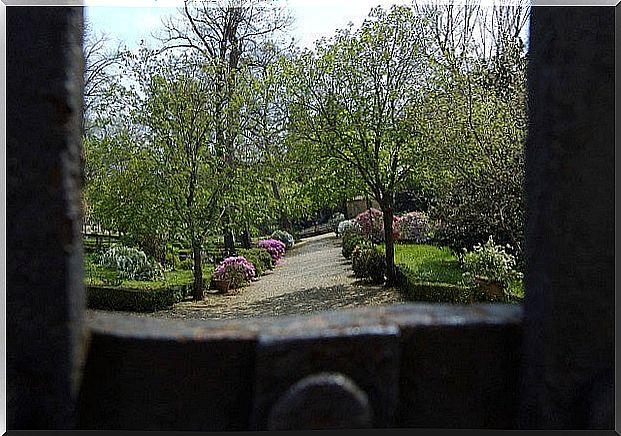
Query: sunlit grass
427	263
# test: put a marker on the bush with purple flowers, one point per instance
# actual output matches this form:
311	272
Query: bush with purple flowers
370	223
275	248
236	269
414	226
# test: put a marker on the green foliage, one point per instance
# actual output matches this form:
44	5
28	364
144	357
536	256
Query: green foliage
491	262
186	264
284	237
350	240
368	262
134	300
433	292
131	263
259	257
427	263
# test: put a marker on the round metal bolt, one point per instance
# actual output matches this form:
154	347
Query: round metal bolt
322	401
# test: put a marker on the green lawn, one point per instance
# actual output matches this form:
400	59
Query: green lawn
95	275
428	263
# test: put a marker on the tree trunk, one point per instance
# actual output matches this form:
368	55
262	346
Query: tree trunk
229	237
391	272
198	272
246	238
284	221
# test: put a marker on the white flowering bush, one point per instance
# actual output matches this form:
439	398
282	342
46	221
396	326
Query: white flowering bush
284	237
491	262
344	226
131	263
335	220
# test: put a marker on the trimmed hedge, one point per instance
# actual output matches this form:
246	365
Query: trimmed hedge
135	300
435	292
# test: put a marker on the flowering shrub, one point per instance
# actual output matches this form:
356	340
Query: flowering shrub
371	224
344	226
334	222
492	262
351	238
414	226
259	257
284	237
275	248
368	262
131	263
236	269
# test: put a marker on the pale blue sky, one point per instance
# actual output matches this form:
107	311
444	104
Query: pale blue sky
314	18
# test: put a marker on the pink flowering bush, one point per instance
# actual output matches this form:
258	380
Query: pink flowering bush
275	248
236	269
370	223
414	226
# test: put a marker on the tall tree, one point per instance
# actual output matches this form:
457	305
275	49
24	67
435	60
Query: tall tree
178	112
227	35
356	100
476	112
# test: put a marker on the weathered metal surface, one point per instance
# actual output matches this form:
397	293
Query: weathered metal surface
322	401
45	299
166	383
570	275
393	353
368	355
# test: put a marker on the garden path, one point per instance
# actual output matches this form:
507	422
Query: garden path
312	276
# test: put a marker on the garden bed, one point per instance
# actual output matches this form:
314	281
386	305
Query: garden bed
102	292
432	274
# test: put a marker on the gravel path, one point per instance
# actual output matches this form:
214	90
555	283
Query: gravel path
313	276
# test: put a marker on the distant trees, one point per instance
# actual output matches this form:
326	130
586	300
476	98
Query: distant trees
356	101
476	121
225	125
231	36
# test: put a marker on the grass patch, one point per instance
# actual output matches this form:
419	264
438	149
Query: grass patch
434	274
104	289
96	275
426	263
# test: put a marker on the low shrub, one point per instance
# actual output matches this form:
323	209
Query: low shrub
172	262
368	262
274	247
433	292
134	300
351	238
284	237
490	262
236	269
334	222
414	227
344	226
131	263
186	264
259	257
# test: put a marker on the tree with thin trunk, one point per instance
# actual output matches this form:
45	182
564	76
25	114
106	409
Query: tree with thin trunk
178	112
228	35
356	99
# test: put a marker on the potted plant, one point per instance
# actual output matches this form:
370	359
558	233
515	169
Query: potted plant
233	272
491	268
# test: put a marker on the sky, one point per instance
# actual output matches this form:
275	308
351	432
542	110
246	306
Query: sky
130	22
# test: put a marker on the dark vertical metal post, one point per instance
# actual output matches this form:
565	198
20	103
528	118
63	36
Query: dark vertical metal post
45	296
570	276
